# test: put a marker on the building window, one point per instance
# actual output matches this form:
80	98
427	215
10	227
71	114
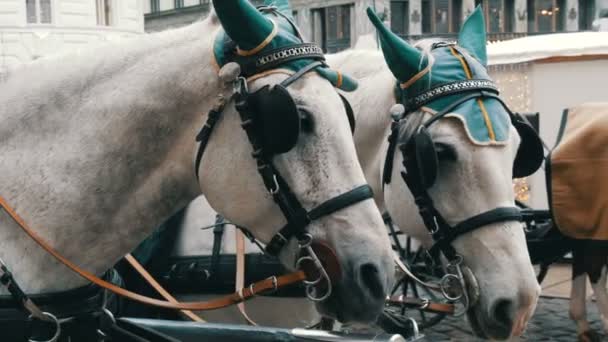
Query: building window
586	14
400	15
104	12
331	27
39	11
546	15
499	15
179	3
441	16
154	6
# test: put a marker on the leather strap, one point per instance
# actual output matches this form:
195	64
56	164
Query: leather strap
265	285
218	233
158	287
240	272
422	304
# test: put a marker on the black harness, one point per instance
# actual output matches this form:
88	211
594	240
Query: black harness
420	161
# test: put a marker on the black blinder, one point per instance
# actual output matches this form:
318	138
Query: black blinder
426	157
349	113
421	158
530	154
277	121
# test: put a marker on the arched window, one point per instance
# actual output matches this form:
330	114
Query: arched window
499	15
38	11
400	14
441	16
546	15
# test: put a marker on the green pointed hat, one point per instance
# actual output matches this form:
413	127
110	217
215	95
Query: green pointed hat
256	32
472	36
403	59
243	22
486	121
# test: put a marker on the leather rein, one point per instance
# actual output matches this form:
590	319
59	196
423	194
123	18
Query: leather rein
269	284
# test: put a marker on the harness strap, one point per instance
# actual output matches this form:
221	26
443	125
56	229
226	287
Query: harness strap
205	133
158	287
240	272
330	206
8	281
254	289
300	73
218	232
447	236
422	304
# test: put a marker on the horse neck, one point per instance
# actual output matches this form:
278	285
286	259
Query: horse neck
371	103
100	154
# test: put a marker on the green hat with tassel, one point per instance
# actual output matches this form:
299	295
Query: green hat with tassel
486	120
249	32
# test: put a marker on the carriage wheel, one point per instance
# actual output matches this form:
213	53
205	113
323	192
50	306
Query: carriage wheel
395	318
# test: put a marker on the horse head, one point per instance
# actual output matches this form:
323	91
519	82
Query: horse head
453	151
303	157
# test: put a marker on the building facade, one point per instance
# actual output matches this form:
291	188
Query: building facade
338	24
30	29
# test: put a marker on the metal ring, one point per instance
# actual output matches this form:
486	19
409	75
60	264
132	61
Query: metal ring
51	318
276	185
444	286
425	304
415	329
251	291
310	295
275	283
308	282
306	242
456	261
109	314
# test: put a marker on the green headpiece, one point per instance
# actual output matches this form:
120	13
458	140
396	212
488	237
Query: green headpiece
250	32
486	121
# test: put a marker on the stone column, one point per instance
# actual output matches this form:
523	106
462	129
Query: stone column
571	15
521	16
415	17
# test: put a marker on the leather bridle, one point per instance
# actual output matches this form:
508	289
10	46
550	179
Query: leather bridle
297	217
443	233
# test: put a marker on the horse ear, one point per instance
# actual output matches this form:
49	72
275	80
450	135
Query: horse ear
403	59
472	36
243	23
282	5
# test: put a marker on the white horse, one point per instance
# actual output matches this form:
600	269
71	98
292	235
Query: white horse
96	150
471	179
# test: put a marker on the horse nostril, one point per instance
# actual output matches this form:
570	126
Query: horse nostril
371	279
503	312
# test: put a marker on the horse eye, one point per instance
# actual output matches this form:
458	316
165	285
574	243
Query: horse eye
445	152
306	120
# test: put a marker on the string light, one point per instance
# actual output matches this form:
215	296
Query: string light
521	189
514	85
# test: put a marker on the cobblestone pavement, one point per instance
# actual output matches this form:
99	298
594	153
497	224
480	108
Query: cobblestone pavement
550	323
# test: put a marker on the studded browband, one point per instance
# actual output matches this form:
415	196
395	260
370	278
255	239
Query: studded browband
277	57
451	88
